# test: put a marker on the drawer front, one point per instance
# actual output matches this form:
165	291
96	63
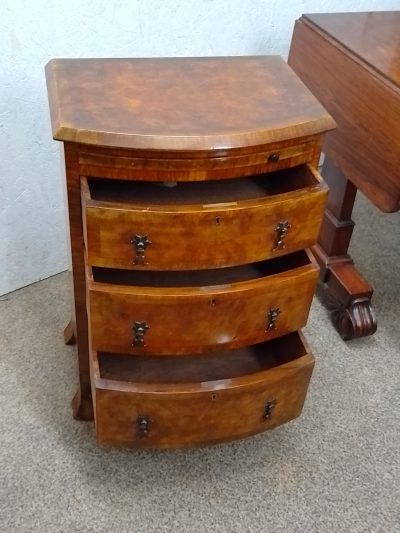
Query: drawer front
202	236
170	416
142	320
203	239
123	165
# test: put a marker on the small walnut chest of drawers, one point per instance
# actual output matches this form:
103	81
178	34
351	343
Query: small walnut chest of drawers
193	198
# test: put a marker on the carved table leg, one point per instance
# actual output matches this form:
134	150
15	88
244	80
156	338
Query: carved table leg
69	334
354	316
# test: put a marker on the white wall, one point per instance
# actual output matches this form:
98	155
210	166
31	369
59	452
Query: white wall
32	231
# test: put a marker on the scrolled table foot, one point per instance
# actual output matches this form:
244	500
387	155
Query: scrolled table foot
355	320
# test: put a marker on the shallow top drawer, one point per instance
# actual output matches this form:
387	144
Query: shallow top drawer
158	166
194	225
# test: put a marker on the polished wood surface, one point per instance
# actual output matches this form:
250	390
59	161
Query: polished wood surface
230	224
218	171
180	103
213	310
372	37
366	144
264	386
156	165
351	62
349	292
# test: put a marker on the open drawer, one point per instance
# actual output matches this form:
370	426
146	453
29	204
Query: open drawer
185	312
167	402
196	225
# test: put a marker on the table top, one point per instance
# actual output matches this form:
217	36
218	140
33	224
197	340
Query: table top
374	37
351	62
181	103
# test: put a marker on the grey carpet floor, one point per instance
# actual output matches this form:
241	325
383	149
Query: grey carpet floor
335	469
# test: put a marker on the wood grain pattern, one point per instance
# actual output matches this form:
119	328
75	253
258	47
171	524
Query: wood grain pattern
371	37
197	166
223	310
366	143
129	124
180	103
199	413
230	225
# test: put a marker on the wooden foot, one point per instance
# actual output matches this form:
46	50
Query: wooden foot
356	320
69	334
349	293
354	316
349	296
82	406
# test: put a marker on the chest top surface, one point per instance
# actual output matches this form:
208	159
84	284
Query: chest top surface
374	37
181	103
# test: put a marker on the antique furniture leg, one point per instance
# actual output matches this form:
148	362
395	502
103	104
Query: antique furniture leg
82	402
69	334
351	293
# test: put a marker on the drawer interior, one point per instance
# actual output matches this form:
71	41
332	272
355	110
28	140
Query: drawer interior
200	368
206	193
202	278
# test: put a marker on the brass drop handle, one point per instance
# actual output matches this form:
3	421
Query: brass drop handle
268	408
272	317
139	330
140	243
143	425
281	230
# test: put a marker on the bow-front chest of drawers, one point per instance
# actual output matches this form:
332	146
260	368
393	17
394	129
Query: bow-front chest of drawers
193	197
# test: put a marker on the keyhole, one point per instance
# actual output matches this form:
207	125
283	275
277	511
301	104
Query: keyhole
213	302
218	220
213	397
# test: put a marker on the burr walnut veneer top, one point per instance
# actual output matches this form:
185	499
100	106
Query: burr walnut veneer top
181	103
